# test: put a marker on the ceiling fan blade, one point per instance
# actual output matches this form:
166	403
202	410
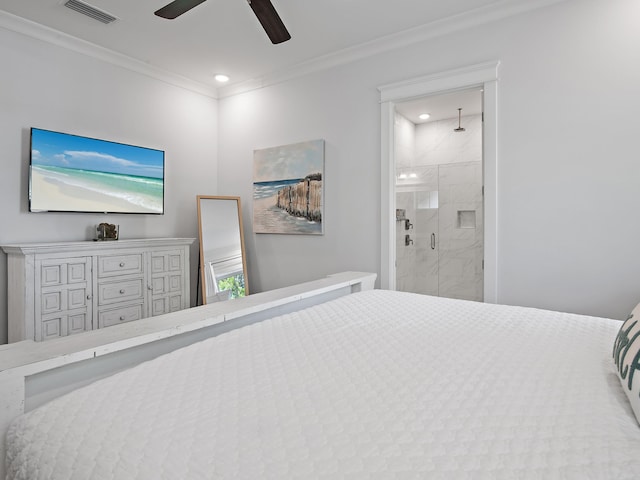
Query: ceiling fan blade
177	8
270	20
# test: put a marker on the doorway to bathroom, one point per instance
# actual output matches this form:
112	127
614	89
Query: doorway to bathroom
483	76
439	195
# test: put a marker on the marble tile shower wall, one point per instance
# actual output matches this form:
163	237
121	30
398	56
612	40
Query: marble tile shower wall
405	141
461	227
405	255
436	143
443	199
404	153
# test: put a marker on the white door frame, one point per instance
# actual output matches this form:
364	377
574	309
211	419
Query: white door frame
484	75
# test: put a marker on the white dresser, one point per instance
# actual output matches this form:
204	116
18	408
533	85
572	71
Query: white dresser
58	289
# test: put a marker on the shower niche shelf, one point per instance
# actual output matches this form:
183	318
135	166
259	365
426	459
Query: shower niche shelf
466	219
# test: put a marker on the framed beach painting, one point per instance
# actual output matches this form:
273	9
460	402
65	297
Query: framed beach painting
287	189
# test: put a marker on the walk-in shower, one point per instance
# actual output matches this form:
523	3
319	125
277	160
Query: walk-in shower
439	201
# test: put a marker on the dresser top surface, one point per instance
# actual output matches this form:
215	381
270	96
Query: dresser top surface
92	245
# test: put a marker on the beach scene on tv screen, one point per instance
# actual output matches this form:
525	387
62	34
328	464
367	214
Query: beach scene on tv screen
74	173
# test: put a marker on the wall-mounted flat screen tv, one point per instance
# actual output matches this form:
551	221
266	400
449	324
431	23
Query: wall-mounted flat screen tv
70	173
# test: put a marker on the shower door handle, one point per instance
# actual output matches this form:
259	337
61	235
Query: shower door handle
433	241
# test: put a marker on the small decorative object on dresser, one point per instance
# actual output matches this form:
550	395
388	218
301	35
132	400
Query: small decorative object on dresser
59	289
107	231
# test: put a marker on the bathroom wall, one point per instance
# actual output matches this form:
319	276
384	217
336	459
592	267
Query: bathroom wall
436	143
404	154
461	232
440	189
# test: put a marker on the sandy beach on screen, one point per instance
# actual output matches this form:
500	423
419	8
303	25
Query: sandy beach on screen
57	196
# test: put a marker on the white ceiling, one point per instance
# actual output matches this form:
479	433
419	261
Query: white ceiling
224	36
444	106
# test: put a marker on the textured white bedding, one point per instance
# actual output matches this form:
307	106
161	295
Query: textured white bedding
373	385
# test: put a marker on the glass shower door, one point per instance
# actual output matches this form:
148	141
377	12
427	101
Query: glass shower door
439	241
417	235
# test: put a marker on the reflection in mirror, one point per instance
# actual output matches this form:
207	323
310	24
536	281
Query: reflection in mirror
222	256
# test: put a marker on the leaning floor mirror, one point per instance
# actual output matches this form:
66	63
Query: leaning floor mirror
223	272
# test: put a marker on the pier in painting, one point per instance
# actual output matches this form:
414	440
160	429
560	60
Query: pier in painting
303	199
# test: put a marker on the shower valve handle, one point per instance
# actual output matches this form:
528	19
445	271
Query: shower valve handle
407	240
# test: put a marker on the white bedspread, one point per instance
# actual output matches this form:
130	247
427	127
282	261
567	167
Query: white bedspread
373	385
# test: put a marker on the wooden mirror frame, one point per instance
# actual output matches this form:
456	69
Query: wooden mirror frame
203	264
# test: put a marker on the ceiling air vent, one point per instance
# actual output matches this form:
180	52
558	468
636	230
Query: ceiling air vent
90	11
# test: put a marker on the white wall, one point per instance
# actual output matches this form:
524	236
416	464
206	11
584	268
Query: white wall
45	86
404	146
347	119
567	167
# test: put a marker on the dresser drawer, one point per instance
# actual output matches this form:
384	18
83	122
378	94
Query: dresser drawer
112	265
106	318
123	291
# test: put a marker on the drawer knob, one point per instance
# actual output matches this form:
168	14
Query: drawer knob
121	317
122	291
122	264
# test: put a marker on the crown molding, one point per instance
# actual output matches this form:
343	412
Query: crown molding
496	11
479	16
35	30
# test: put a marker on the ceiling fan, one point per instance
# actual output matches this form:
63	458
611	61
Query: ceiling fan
263	9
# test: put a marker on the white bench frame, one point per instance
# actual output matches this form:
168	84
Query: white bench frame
33	373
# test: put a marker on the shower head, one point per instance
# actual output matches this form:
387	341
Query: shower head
459	129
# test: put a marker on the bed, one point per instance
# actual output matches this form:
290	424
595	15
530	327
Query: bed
373	384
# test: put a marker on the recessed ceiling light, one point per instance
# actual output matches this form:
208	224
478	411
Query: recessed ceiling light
221	78
424	116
